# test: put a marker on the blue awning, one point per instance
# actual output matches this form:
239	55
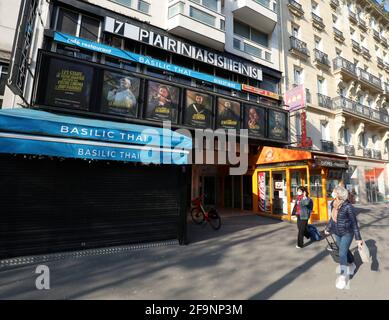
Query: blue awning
26	131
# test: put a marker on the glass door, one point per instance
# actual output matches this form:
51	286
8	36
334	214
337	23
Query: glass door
280	202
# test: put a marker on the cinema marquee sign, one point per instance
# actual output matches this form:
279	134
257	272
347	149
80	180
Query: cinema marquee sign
164	42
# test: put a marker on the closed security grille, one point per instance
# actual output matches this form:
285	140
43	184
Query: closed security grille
51	205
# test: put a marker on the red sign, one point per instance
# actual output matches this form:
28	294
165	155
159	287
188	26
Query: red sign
305	141
261	92
295	98
261	192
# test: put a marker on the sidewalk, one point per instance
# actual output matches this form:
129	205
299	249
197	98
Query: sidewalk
251	257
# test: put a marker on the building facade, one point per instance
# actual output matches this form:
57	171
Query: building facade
9	16
204	64
339	51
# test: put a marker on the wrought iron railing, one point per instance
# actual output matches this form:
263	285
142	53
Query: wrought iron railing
327	146
298	45
322	57
367	153
318	20
296	5
349	150
342	63
368	77
377	155
324	101
338	34
359	109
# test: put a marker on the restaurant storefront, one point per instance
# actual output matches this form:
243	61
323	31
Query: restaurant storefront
280	172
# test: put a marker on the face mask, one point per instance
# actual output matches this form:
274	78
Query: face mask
299	193
333	195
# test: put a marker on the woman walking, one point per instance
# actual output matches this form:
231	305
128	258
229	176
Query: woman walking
343	224
302	210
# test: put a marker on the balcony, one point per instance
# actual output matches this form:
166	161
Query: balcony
377	155
366	53
256	13
299	48
198	23
318	22
353	17
334	4
349	150
356	46
387	67
342	103
376	35
252	48
338	35
327	146
374	83
367	153
384	42
324	101
362	24
347	69
380	63
304	144
321	59
296	8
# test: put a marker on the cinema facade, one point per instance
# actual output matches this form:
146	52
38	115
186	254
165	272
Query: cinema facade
76	153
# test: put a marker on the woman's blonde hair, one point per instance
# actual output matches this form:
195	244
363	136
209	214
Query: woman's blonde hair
341	192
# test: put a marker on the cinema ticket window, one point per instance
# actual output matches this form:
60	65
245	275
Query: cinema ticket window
89	28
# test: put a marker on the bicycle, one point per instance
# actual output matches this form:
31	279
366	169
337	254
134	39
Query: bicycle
200	215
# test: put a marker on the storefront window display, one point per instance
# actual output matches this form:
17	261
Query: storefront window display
254	120
277	125
120	94
198	112
162	102
228	114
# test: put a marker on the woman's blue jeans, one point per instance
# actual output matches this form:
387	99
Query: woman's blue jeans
344	243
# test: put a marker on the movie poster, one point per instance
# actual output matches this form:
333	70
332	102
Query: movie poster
228	114
69	85
198	110
254	120
162	102
277	125
120	94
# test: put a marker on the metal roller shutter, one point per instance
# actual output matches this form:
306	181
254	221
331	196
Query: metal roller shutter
51	205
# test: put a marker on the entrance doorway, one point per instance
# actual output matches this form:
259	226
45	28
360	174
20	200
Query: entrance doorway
208	187
280	198
232	192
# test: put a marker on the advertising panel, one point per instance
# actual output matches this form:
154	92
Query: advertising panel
198	110
261	192
277	125
254	120
228	114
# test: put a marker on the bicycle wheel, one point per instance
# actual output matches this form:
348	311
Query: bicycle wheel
197	216
214	219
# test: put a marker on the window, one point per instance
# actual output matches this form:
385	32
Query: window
318	43
176	9
325	131
202	16
363	140
295	31
3	81
143	6
211	4
315	8
321	86
125	3
346	136
298	76
249	33
298	124
375	142
67	21
89	28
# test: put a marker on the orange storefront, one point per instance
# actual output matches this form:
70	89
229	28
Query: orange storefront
279	172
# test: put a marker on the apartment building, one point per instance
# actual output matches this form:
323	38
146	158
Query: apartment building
339	51
95	74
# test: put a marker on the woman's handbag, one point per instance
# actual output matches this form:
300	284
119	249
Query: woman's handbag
364	253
